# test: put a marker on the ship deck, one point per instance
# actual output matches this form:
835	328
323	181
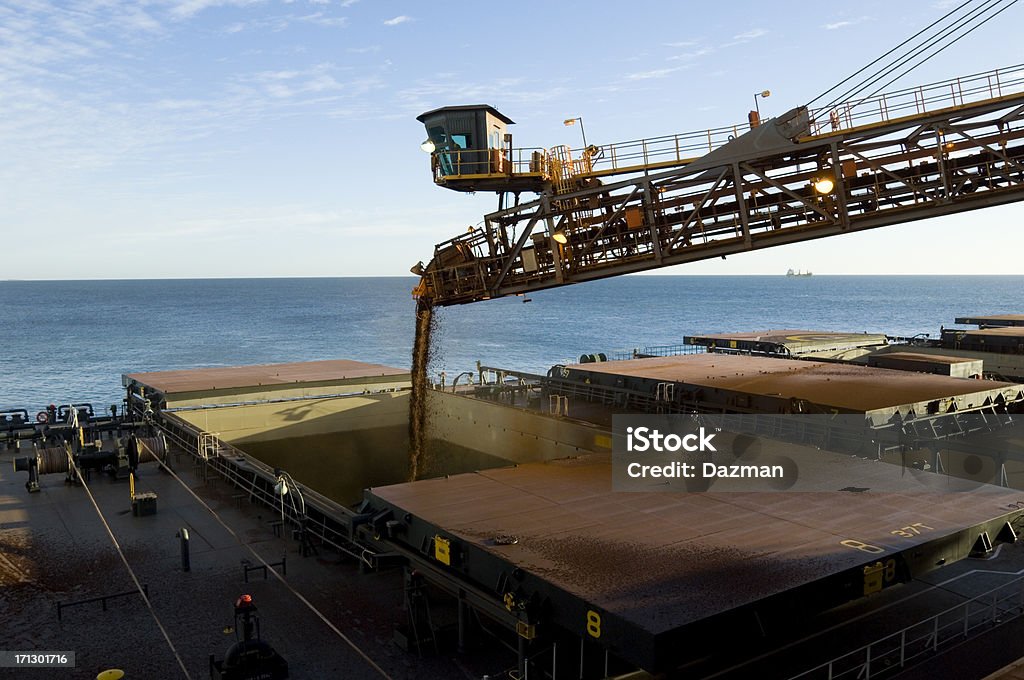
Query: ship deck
790	342
992	320
775	385
228	384
664	571
226	377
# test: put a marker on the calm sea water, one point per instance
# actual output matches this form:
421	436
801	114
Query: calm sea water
68	341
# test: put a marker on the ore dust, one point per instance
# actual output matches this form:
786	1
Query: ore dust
421	353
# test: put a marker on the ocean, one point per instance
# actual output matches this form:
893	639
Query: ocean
70	341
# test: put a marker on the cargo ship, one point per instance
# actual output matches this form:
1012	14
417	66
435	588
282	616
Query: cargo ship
512	546
259	521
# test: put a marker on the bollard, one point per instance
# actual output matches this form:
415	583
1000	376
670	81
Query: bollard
186	564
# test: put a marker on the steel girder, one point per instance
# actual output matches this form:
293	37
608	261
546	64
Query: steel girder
962	158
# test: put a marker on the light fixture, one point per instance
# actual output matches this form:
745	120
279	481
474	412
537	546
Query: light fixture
417	269
823	184
762	94
428	145
281	487
560	236
569	122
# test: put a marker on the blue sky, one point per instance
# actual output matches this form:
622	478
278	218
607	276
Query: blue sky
219	138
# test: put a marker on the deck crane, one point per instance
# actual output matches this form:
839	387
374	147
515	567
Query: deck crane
607	210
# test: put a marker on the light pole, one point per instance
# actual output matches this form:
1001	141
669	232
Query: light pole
569	122
762	94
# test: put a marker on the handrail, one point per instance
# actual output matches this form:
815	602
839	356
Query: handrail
258	482
890	654
918	100
679	149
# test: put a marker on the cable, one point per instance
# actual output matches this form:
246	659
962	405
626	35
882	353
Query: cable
135	579
278	576
946	33
929	42
917	54
960	37
854	75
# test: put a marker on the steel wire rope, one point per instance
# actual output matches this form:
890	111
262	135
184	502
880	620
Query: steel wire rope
277	575
955	31
135	579
947	32
930	42
897	47
952	42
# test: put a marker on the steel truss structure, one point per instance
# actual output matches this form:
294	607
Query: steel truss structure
743	196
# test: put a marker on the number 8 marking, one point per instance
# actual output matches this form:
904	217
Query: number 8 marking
593	624
857	545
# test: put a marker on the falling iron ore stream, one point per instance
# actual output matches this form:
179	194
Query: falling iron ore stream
418	399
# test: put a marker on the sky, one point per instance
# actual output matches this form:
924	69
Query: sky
268	138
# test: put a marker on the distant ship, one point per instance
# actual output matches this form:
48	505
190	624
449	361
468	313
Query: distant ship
798	273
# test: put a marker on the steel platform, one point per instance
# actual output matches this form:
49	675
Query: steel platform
658	578
1005	339
939	364
210	384
770	385
786	342
993	320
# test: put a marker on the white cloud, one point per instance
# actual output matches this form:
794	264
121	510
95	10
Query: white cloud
186	9
400	19
441	90
751	34
687	56
348	3
655	73
320	19
844	23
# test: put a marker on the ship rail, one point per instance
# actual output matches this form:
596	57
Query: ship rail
323	519
892	653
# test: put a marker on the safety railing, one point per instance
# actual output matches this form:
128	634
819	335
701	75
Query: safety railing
888	655
320	519
678	149
666	150
918	100
454	163
660	351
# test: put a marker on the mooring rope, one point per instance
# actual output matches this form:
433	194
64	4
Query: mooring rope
278	576
131	572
